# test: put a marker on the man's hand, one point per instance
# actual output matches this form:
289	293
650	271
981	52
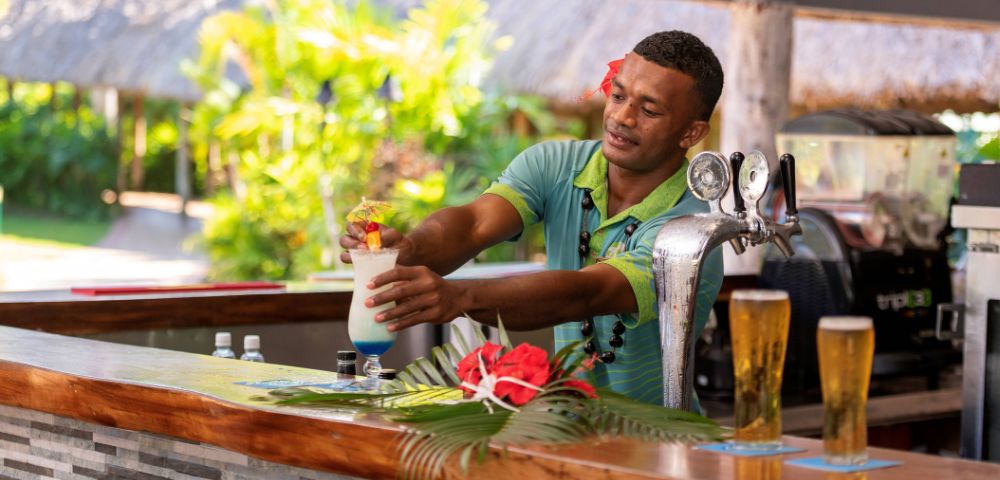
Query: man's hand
421	296
355	238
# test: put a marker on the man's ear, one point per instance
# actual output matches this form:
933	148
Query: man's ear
694	133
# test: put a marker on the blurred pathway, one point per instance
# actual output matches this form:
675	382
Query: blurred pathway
146	244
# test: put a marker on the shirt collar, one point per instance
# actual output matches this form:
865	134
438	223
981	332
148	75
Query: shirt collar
594	177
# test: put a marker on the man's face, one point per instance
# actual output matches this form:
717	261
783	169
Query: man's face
649	115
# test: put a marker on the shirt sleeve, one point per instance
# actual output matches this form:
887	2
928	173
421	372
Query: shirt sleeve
636	265
529	179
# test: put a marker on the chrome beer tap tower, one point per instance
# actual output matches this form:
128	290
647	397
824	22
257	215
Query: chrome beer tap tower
683	243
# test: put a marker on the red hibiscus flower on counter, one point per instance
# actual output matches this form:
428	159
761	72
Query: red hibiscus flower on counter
468	368
517	376
527	363
584	387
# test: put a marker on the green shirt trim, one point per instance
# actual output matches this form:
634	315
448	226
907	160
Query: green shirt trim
633	264
528	217
594	177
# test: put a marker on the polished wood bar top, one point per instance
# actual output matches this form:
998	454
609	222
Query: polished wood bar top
196	398
59	311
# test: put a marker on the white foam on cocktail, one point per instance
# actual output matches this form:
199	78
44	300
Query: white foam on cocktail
845	323
361	324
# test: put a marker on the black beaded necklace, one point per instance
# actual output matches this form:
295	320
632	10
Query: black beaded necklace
587	329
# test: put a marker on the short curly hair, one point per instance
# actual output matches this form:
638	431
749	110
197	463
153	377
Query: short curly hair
686	53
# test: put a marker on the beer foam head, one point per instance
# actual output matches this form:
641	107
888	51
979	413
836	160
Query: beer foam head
760	295
845	323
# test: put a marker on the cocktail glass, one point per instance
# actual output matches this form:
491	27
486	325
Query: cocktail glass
369	338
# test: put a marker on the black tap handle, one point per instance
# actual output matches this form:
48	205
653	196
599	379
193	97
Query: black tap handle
736	161
788	178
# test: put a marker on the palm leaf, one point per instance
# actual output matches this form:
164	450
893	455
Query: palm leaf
504	339
398	403
456	334
616	414
439	431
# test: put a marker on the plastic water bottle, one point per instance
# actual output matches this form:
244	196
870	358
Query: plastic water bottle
251	349
223	346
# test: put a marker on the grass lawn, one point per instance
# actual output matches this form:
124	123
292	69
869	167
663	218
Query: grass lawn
43	227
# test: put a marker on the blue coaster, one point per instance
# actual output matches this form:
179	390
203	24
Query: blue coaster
729	449
817	463
339	385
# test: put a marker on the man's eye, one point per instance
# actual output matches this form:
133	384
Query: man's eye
650	112
617	97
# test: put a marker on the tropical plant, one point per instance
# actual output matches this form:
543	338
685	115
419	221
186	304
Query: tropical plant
57	161
332	99
469	399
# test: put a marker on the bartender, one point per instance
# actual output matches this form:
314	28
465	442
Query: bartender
602	203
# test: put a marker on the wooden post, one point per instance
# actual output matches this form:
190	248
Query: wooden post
755	96
214	175
77	99
182	174
138	143
10	90
53	97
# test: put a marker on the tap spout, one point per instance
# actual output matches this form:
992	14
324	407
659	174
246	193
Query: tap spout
678	254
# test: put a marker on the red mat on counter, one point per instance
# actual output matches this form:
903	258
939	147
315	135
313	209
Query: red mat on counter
195	287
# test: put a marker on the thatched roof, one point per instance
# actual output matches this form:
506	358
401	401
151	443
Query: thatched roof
560	49
132	45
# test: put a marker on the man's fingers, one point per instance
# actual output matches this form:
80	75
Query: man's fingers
399	273
415	319
390	236
402	309
356	230
401	291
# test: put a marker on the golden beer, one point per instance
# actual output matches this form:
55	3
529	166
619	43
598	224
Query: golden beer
758	468
758	322
846	346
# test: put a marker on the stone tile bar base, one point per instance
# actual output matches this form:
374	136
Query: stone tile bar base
35	445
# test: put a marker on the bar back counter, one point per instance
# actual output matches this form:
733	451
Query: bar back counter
79	408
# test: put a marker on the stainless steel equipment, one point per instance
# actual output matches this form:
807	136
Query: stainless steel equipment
981	361
875	187
683	242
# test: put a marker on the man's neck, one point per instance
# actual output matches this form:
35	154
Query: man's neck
627	188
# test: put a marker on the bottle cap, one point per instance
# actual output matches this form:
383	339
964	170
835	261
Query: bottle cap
251	342
387	374
346	355
223	339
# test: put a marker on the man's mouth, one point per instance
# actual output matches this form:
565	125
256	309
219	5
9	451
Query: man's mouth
620	140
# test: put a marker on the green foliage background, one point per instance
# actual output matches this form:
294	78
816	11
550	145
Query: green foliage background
303	164
57	161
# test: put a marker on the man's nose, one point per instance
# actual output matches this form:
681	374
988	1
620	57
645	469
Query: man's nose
624	115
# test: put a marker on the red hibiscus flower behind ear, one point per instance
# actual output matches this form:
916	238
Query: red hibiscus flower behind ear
526	363
468	367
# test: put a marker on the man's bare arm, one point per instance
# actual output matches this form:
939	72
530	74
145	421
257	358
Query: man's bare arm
524	302
452	236
447	238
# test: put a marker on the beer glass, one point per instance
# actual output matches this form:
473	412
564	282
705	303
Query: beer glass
845	346
758	322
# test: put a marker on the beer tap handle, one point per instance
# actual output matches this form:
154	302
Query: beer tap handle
787	162
736	161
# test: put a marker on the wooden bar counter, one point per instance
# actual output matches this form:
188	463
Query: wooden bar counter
59	311
77	408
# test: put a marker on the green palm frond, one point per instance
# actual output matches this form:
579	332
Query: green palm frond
437	372
398	403
615	414
441	431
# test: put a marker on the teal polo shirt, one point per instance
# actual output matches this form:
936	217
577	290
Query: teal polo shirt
545	183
